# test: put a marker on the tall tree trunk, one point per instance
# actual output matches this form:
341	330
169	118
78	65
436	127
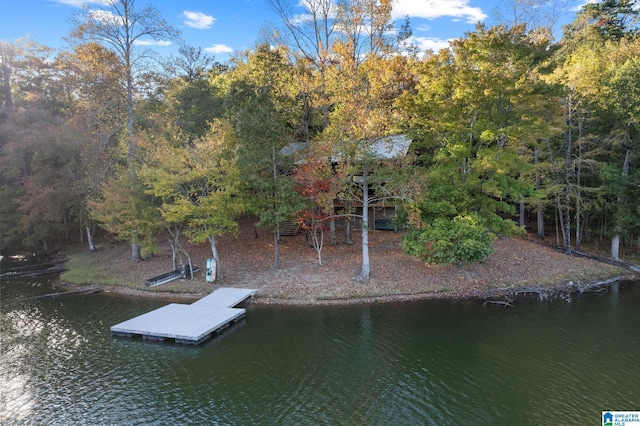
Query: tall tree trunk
348	228
559	221
539	212
92	246
136	255
540	218
276	237
135	248
615	241
578	188
6	73
214	253
332	224
567	177
366	267
276	249
615	247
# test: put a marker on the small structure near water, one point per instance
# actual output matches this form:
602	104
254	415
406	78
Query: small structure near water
190	324
183	272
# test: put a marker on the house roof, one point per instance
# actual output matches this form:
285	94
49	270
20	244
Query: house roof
384	148
390	146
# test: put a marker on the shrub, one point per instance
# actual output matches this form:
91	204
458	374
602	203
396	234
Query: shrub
462	239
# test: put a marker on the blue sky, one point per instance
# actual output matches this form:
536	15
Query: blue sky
223	26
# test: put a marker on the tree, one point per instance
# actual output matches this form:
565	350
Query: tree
120	27
198	182
39	161
28	79
91	76
262	107
614	19
124	208
315	179
311	36
623	95
477	112
540	18
191	99
599	49
366	81
311	30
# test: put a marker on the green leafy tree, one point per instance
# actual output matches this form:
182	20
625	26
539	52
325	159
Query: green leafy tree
191	100
198	183
311	41
462	239
262	108
124	208
478	112
613	19
623	95
598	73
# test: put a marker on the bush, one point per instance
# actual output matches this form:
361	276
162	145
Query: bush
462	239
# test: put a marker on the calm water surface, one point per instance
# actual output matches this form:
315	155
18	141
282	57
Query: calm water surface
454	363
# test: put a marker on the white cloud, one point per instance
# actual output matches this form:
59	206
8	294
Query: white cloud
218	48
430	43
197	20
579	7
152	43
79	3
105	16
433	9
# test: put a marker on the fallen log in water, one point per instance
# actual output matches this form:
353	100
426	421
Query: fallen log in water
88	290
506	296
597	287
35	270
505	303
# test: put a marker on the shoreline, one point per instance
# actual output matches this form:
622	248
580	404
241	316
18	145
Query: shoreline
516	267
501	296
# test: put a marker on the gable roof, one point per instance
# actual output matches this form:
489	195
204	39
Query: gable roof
384	148
389	147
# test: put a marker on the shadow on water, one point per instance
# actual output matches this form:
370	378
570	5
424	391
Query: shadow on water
429	362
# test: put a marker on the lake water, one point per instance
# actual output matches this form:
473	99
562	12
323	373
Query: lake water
430	362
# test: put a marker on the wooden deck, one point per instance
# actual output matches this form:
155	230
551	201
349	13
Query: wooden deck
190	324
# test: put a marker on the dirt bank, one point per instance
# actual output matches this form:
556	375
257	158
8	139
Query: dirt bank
247	261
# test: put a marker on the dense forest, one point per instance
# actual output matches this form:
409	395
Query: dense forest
510	131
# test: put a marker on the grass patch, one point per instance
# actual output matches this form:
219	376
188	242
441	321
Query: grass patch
80	272
89	269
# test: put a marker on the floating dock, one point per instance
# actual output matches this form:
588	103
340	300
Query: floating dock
190	324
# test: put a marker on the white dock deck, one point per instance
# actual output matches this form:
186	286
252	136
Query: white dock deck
190	324
225	297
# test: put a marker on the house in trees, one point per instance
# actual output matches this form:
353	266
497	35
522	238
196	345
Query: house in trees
347	179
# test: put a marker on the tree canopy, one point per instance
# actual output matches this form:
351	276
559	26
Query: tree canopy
509	130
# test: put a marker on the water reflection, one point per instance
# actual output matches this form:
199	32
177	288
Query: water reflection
409	363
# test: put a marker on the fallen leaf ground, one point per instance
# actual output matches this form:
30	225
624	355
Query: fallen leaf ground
247	261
